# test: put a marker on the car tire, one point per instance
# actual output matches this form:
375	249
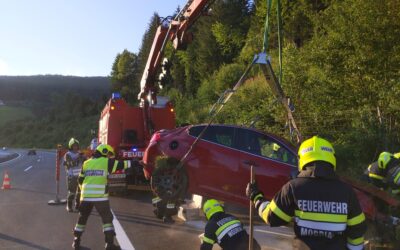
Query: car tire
169	182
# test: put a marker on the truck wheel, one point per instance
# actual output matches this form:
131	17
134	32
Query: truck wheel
167	181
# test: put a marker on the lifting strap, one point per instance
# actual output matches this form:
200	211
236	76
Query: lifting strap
268	72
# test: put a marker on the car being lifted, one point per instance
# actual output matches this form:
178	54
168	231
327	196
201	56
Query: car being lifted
219	165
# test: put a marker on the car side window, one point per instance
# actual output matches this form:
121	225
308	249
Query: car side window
195	130
217	134
247	140
262	145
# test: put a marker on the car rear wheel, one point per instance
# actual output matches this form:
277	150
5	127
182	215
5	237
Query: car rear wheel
168	181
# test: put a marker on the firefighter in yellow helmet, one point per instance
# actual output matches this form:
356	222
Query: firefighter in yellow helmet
325	211
72	162
224	229
94	192
385	172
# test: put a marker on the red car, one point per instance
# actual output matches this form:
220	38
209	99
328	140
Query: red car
219	165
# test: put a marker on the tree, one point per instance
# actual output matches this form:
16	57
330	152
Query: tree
124	75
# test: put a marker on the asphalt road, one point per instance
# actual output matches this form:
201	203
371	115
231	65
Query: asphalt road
28	222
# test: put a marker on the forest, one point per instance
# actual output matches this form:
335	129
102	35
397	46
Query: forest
341	68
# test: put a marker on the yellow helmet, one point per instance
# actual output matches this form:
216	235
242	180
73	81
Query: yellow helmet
211	207
71	142
316	149
105	149
384	159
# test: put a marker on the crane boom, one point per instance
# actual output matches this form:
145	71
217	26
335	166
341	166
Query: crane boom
176	31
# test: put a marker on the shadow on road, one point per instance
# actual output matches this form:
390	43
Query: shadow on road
32	191
22	242
155	223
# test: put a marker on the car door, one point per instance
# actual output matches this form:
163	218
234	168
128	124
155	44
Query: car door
216	161
273	161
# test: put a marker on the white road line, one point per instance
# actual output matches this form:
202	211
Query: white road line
122	238
28	168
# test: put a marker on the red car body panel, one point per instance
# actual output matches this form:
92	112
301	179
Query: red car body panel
222	172
219	171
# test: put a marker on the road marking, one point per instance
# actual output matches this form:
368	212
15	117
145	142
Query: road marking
122	238
27	169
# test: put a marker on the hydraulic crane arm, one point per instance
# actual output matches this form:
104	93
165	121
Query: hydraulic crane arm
169	30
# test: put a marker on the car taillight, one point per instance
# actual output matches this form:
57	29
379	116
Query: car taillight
155	138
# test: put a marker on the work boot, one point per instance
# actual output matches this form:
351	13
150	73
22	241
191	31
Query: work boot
112	246
157	214
69	206
168	220
110	242
77	243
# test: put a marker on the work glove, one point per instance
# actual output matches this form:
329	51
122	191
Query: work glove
252	192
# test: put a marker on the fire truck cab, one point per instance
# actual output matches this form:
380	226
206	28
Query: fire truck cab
122	126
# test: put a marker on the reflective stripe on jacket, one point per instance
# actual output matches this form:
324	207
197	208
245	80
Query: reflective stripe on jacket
93	177
375	172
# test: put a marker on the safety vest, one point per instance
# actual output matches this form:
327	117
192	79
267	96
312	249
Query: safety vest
73	164
375	172
393	177
94	186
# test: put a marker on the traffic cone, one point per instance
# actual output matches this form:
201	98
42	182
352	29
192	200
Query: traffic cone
6	181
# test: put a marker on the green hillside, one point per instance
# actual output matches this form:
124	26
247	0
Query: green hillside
47	110
13	114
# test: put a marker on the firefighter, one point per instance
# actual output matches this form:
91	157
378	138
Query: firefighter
72	162
385	173
94	192
224	229
326	211
165	209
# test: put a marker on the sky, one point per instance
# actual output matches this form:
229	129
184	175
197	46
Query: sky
72	37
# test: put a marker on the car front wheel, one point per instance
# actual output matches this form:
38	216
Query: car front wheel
169	181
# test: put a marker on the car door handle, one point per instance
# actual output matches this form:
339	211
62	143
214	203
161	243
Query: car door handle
249	163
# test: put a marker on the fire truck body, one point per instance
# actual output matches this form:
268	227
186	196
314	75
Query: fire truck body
121	126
